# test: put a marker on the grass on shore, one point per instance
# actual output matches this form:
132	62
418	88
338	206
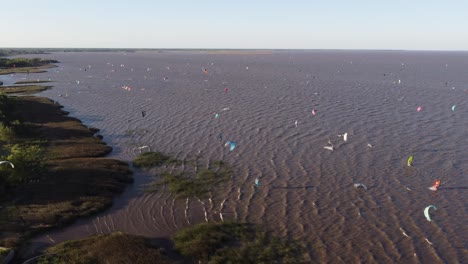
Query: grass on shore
76	182
202	243
32	81
35	69
23	89
24	65
113	248
235	243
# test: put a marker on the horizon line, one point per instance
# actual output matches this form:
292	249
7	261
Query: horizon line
233	49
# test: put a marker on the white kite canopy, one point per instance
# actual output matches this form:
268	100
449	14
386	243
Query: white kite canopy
426	211
345	136
360	185
329	148
7	162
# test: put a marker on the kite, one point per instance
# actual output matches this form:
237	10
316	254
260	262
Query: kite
231	144
453	108
357	185
426	212
410	160
7	162
345	136
257	182
329	147
435	186
419	108
314	112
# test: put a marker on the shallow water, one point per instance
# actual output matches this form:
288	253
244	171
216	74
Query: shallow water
307	191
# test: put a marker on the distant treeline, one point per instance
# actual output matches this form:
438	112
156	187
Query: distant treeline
24	62
13	52
19	51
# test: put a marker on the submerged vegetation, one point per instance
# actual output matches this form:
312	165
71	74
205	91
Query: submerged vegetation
235	243
195	184
152	159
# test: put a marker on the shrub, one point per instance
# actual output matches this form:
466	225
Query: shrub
7	134
28	163
6	109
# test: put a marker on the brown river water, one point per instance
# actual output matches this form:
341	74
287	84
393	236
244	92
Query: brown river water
307	192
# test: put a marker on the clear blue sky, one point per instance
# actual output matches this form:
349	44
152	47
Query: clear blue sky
307	24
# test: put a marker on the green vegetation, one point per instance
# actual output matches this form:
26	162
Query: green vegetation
114	248
7	134
24	62
3	254
56	179
211	243
32	81
12	52
235	243
25	65
194	185
23	89
28	162
151	159
37	69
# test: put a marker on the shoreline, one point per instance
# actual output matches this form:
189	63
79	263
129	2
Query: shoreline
78	180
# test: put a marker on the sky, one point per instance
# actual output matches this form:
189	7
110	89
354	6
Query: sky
239	24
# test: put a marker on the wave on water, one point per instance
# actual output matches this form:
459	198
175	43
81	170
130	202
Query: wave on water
307	192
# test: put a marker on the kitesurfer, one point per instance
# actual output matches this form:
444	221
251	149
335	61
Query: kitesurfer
257	182
436	185
143	113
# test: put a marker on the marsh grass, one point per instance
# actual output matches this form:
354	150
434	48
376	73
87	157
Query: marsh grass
33	69
236	243
113	248
28	89
151	159
196	184
32	81
77	181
